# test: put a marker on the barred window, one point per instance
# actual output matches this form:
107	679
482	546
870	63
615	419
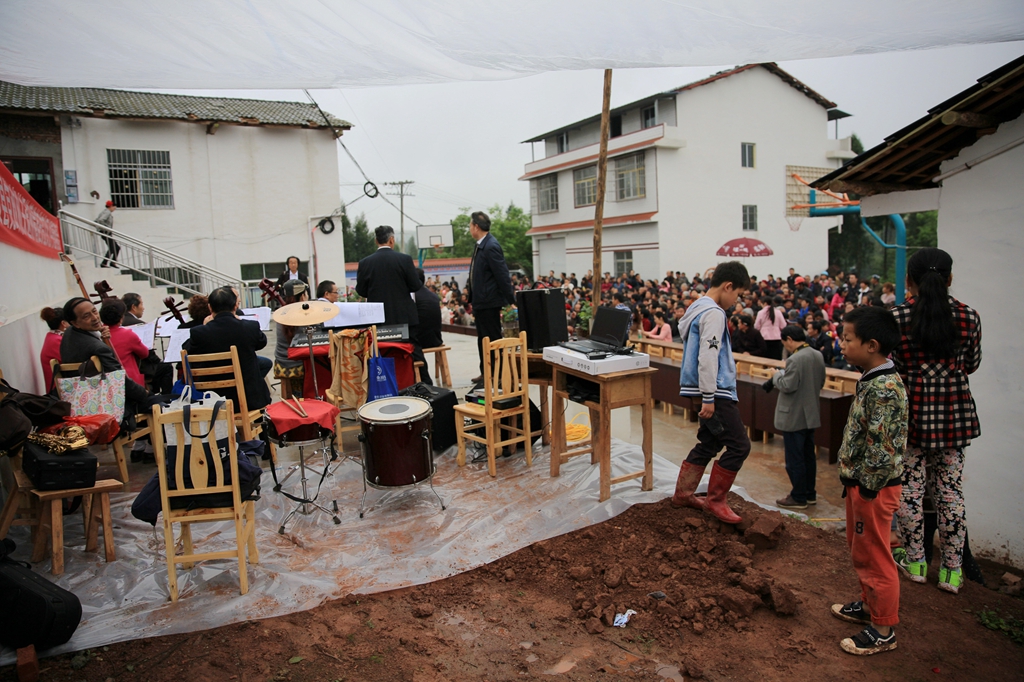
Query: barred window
140	179
547	193
749	218
585	186
629	177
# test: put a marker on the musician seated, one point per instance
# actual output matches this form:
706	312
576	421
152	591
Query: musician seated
54	319
127	344
134	309
88	336
198	311
225	330
289	371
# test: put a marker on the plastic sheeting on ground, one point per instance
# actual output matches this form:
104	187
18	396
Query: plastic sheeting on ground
266	44
405	539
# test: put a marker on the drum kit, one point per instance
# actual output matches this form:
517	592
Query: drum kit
395	438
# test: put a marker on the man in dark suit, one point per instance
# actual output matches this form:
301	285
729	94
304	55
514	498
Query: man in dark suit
490	285
426	334
389	277
292	272
226	330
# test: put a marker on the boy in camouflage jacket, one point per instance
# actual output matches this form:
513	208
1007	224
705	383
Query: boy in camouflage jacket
870	468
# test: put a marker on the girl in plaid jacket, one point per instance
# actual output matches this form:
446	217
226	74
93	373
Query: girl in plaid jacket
940	346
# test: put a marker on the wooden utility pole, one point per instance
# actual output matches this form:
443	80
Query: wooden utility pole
602	176
401	194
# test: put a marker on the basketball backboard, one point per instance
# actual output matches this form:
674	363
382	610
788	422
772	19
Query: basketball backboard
434	236
798	194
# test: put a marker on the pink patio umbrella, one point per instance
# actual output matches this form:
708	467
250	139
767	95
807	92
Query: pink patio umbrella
744	247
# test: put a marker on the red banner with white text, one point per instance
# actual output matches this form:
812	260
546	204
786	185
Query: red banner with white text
24	223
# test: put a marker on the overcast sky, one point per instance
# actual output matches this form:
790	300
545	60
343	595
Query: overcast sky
460	142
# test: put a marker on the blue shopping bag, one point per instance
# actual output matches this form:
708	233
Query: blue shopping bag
383	381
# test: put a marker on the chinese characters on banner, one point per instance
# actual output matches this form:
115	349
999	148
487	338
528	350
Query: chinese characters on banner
24	223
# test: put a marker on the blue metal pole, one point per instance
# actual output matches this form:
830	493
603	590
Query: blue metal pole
901	257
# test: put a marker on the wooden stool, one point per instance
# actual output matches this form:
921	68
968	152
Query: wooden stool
442	373
95	510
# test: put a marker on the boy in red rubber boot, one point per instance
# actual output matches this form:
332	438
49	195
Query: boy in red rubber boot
870	469
709	374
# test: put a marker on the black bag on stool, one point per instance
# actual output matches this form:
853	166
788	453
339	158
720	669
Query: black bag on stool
32	609
442	402
50	471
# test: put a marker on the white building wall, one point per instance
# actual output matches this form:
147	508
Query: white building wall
242	195
704	186
981	212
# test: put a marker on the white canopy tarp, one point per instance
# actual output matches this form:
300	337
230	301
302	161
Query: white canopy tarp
268	44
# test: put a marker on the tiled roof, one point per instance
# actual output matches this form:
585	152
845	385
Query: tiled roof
130	104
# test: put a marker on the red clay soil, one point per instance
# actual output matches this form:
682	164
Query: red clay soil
734	608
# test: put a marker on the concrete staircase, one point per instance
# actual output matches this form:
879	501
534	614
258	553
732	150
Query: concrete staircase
122	281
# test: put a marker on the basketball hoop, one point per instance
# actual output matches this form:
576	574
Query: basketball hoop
795	221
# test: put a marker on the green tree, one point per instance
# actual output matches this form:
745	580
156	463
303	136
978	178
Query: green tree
508	225
359	242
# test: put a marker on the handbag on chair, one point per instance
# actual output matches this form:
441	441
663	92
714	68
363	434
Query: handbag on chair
99	394
383	381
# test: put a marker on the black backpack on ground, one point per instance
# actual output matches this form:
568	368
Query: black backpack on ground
32	609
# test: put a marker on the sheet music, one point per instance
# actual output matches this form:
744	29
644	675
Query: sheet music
166	324
178	337
356	315
262	315
146	333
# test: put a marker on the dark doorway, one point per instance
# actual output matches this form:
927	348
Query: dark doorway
36	176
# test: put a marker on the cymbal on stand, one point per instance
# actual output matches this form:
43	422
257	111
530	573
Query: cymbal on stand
305	313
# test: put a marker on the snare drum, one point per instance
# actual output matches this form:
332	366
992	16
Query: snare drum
396	441
304	434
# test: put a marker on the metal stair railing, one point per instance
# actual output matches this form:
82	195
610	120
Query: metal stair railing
158	266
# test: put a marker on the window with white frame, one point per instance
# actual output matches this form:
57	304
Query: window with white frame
629	177
623	262
749	218
562	142
747	154
140	178
648	118
547	193
585	186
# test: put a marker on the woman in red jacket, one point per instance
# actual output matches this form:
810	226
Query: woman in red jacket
940	346
127	344
54	319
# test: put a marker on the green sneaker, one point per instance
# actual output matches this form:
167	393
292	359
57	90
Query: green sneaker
915	570
950	580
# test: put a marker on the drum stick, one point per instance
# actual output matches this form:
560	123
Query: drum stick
292	408
301	409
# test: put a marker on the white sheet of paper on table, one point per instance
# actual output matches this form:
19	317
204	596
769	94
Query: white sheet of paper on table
262	315
178	337
356	315
145	332
166	325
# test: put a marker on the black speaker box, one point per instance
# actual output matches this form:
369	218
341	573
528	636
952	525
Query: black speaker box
542	317
442	422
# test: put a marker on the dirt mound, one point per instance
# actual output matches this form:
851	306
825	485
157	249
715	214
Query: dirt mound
712	602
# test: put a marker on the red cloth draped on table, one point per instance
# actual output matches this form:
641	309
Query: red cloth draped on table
285	418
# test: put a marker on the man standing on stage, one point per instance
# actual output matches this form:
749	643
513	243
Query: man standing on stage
106	218
490	285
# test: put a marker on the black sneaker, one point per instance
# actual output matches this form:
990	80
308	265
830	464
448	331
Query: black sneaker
854	612
868	641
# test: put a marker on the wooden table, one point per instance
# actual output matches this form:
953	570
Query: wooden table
538	373
619	389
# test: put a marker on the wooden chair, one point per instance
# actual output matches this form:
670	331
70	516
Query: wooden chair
20	507
123	442
95	511
504	378
243	514
215	371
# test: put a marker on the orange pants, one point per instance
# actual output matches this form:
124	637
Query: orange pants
867	534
